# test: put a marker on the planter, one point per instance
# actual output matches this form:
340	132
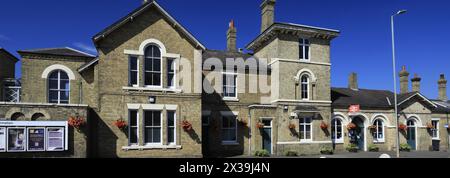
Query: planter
76	122
243	122
351	126
430	126
352	148
259	125
402	127
186	126
291	126
323	125
121	124
373	148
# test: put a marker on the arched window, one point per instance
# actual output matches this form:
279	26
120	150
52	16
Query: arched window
336	131
58	87
378	131
152	66
304	87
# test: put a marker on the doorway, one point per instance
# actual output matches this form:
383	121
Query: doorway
267	135
411	134
358	133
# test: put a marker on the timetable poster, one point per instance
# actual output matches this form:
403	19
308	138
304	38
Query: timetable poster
36	139
55	138
2	139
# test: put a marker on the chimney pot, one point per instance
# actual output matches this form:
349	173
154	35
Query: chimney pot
416	83
442	83
231	37
404	80
353	81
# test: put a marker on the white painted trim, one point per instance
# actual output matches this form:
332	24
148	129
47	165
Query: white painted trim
416	118
33	123
341	140
158	89
229	113
133	106
301	101
303	142
426	99
137	68
137	127
274	60
172	55
54	67
307	72
381	116
152	41
232	99
262	106
152	147
153	107
44	104
171	107
4	139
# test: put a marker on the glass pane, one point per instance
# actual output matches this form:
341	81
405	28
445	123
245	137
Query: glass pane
64	84
306	52
308	135
133	78
133	135
156	118
301	41
133	63
148	52
156	52
53	96
133	118
64	95
148	118
233	135
148	64
156	79
64	75
148	78
148	135
54	75
170	80
156	64
306	42
225	122
170	66
301	56
171	118
53	84
267	123
157	135
171	135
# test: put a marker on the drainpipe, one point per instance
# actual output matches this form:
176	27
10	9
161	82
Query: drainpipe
249	133
80	93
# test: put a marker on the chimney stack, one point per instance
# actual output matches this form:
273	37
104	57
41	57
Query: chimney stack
231	37
353	81
442	88
416	83
267	14
404	83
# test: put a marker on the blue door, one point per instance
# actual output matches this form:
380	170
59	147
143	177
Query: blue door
267	136
411	134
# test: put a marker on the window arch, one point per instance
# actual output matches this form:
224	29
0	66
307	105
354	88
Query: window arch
305	81
378	130
18	116
152	66
58	87
337	131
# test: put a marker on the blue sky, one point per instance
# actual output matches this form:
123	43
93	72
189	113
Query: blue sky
423	38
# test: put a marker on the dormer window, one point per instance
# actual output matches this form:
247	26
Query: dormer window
304	52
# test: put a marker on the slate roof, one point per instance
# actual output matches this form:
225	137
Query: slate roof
63	51
223	56
88	64
443	107
344	97
9	54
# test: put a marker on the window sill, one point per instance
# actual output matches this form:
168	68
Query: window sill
230	143
338	142
157	89
231	99
436	139
154	147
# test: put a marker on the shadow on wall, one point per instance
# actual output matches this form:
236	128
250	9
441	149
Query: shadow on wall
104	142
214	102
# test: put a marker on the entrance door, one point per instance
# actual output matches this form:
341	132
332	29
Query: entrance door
359	133
205	135
267	135
411	134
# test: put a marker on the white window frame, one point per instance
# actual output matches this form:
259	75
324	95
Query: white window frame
304	125
4	138
161	128
130	71
235	74
271	131
229	128
308	84
26	139
130	127
174	127
45	139
436	129
59	90
377	131
48	138
333	122
174	62
161	67
302	46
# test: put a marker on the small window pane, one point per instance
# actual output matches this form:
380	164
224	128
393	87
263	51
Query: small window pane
306	52
170	118
133	135
148	135
64	84
156	135
53	96
64	75
148	64
133	63
133	118
53	84
170	135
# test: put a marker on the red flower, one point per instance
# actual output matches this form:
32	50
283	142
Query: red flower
76	122
186	125
351	126
430	126
291	126
121	124
259	125
323	125
402	127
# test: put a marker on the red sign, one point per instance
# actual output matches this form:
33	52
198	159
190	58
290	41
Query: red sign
354	108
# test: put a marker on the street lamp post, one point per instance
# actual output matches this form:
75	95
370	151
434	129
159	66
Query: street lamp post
395	81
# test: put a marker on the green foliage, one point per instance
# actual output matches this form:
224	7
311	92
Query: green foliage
405	147
374	148
262	153
291	153
326	150
352	148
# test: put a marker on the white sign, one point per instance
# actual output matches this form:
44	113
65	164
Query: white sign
2	139
55	139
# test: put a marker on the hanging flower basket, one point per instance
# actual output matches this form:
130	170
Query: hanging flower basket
430	126
76	122
259	125
372	128
121	124
351	126
402	127
323	125
186	125
243	122
291	126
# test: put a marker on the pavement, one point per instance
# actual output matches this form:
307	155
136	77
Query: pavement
413	154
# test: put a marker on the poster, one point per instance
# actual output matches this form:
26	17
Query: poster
55	139
2	139
16	139
36	139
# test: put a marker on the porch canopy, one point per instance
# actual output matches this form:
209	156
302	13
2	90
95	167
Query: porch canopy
306	111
